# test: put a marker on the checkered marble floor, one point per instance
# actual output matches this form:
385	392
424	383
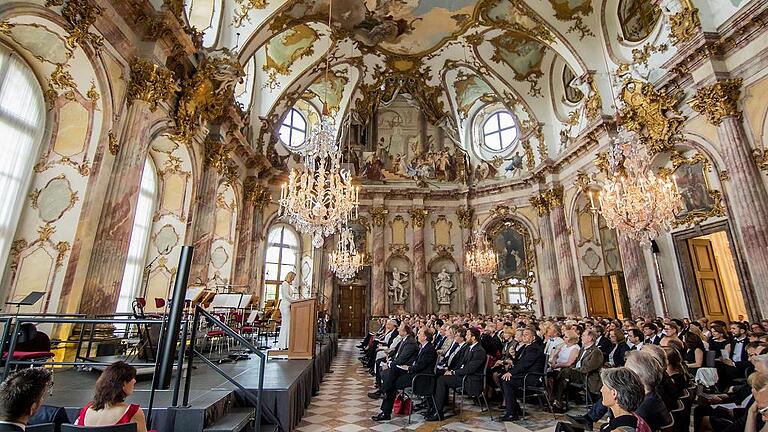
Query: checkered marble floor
343	405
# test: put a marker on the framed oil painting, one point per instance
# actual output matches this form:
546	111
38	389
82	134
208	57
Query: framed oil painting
693	186
510	245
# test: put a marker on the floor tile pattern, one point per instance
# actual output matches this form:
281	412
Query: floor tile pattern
343	405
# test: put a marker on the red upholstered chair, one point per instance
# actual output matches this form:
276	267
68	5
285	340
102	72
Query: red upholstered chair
159	302
216	337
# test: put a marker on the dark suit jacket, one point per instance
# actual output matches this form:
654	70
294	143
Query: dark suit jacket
406	351
9	428
472	367
458	359
531	359
425	360
605	346
741	365
491	345
590	364
618	356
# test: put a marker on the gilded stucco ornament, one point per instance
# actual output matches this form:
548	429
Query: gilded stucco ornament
418	217
93	94
244	7
79	15
718	100
61	79
150	83
502	211
594	103
684	25
540	203
554	197
206	94
378	215
530	159
574	11
464	214
5	27
256	193
652	114
583	180
114	147
216	154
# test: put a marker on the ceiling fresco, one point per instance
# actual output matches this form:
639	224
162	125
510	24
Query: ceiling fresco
448	59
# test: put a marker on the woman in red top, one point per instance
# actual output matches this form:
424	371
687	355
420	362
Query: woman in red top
108	406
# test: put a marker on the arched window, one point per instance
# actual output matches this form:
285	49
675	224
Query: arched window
137	249
499	131
282	257
22	123
293	131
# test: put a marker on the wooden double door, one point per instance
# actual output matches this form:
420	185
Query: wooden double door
708	282
352	312
606	296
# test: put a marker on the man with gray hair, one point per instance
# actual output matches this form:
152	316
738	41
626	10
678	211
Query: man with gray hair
652	409
589	361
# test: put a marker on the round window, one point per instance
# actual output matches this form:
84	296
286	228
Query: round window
293	131
499	131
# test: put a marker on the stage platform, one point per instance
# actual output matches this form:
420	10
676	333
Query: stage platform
288	388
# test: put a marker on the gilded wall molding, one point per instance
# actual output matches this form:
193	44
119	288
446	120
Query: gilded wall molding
554	197
540	203
718	100
79	16
216	154
684	25
150	83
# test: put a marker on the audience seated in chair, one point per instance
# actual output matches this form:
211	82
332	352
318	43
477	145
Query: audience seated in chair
590	360
530	360
400	376
108	407
622	392
407	349
472	367
21	396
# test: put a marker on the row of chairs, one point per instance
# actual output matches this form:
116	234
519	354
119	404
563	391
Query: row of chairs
50	427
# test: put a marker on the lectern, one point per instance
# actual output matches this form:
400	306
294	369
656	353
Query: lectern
301	344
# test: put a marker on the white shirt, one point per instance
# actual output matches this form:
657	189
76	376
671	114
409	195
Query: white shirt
583	353
565	353
737	348
552	344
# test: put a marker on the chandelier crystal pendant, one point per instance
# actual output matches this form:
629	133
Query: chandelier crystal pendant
481	259
635	201
345	261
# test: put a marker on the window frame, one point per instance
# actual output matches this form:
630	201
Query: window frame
291	128
499	131
274	283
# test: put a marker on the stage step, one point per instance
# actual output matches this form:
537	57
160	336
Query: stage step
235	420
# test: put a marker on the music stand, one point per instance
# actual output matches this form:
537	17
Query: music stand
29	300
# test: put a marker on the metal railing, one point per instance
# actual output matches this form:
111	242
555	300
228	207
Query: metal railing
193	352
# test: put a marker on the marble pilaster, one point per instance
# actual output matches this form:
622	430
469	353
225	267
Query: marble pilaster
378	278
565	271
549	279
242	270
747	197
246	263
204	222
636	278
419	297
468	279
150	85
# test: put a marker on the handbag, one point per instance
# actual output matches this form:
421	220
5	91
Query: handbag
402	405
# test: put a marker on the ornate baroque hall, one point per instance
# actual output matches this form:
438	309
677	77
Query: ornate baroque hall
269	212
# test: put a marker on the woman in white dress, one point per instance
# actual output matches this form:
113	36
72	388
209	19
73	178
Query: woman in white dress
286	298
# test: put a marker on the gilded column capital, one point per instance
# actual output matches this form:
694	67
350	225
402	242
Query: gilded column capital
216	153
378	215
554	197
150	83
540	203
418	217
256	193
465	216
718	100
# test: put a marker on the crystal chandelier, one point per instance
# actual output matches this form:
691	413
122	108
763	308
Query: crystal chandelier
481	259
634	200
345	261
320	197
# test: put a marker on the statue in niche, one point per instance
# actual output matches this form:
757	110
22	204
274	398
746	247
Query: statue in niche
444	287
397	286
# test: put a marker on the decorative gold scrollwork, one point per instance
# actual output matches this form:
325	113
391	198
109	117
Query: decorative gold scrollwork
652	114
418	217
150	83
378	215
464	214
718	100
684	25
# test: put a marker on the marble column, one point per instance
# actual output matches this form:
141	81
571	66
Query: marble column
378	277
149	86
636	278
747	197
468	279
419	297
565	271
257	255
548	277
204	221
